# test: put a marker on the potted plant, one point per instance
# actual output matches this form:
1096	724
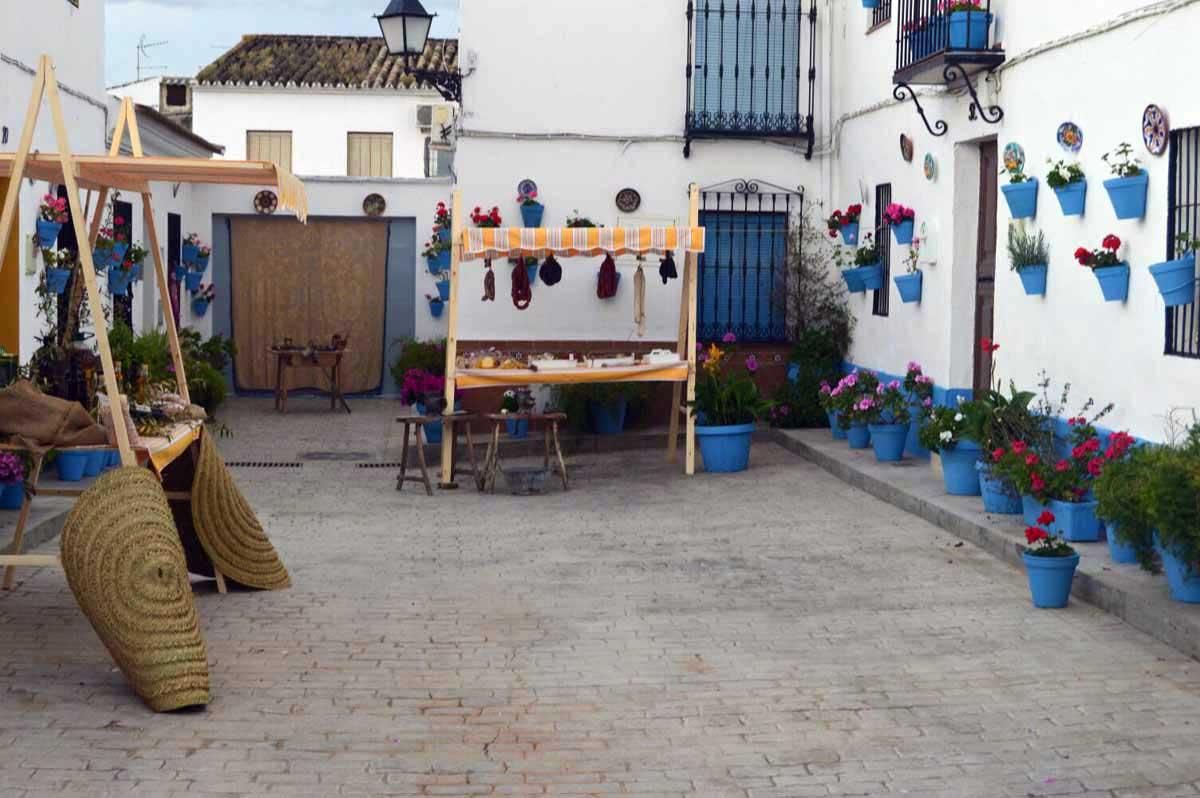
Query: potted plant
902	220
1029	255
849	270
531	267
997	421
1176	279
517	401
945	432
12	481
119	244
192	248
425	391
1021	191
1121	500
59	266
443	286
436	305
120	275
531	209
829	403
1069	185
968	24
203	297
599	408
576	220
486	219
856	406
1129	185
727	406
889	421
1173	496
1111	272
909	283
846	223
868	271
437	254
442	223
136	256
919	387
1050	563
52	215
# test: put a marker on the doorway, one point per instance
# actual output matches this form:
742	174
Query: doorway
985	264
174	250
10	285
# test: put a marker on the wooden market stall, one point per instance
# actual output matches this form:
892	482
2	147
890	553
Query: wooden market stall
502	242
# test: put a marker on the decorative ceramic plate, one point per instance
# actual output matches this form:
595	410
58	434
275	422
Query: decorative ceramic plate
526	187
906	148
1014	157
1070	137
374	205
265	202
930	167
1156	129
628	200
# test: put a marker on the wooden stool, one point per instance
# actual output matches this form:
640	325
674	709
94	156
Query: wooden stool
485	479
450	426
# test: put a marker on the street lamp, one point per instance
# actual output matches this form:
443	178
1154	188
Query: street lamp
405	26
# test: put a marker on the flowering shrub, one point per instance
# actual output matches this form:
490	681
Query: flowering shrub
1066	479
727	394
418	383
441	217
889	405
1042	543
1100	258
897	214
856	399
434	247
840	219
943	429
1063	174
53	209
918	385
489	219
12	468
528	199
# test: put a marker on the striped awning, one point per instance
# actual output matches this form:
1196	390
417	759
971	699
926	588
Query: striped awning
502	242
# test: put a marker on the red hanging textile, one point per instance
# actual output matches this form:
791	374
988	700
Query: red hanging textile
606	286
489	283
522	294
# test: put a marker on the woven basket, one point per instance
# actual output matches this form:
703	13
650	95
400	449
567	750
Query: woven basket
124	563
228	529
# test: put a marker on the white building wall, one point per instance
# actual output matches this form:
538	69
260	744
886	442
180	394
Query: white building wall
143	92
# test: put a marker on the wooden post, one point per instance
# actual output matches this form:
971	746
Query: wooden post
456	227
9	214
685	313
690	268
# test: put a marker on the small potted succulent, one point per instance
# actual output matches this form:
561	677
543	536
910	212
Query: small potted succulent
909	283
1111	272
902	220
727	406
1029	255
1050	564
1021	193
531	209
436	253
436	305
1129	184
846	223
1176	279
890	421
486	219
12	481
1069	185
52	215
202	298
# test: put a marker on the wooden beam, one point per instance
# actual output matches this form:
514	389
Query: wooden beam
9	215
30	560
690	268
682	339
452	331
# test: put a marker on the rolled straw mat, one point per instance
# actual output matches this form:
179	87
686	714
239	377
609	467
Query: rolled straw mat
125	565
228	529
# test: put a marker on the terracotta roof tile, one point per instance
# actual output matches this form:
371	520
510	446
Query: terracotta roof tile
325	61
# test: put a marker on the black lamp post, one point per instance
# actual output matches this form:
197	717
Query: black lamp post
405	26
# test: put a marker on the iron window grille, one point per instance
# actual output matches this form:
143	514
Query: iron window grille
1183	216
881	13
744	267
751	69
880	305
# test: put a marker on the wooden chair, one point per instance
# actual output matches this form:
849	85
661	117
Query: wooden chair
451	425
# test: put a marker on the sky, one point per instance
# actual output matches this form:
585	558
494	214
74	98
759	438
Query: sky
198	31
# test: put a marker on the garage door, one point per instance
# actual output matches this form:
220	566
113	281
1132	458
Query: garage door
307	282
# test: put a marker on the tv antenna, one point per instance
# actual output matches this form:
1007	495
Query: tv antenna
143	48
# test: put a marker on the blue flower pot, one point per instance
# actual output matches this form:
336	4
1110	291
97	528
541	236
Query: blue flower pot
839	434
1072	198
1075	522
436	306
95	461
853	281
71	465
1114	282
859	436
114	459
444	290
191	253
850	234
118	281
200	307
202	262
904	231
888	441
999	497
608	418
1128	195
1120	552
1031	508
725	449
1033	279
1176	280
443	234
871	276
913	447
909	286
531	215
1022	198
517	428
12	495
1183	580
532	271
136	272
57	279
958	469
433	432
101	256
969	30
438	263
1050	579
870	3
47	233
179	272
119	248
192	280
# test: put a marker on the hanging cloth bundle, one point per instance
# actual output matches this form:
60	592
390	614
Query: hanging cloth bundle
639	301
551	271
522	294
489	283
666	268
606	286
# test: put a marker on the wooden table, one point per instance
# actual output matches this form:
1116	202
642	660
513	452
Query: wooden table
329	361
485	478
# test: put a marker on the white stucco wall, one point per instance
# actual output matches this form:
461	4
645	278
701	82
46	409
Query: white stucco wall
143	92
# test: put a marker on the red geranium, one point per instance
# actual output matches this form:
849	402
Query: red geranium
1046	518
1033	534
1103	257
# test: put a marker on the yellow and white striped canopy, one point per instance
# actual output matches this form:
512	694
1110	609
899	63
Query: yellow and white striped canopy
502	242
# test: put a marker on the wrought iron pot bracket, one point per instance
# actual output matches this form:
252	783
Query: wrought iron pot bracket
991	114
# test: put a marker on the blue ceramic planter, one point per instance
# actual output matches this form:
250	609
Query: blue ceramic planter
872	276
444	290
118	281
1183	580
909	286
201	263
191	253
71	465
193	280
725	449
1031	508
12	495
839	434
117	254
114	459
912	446
443	234
888	441
608	418
999	497
1075	522
1050	579
1120	552
436	306
438	263
433	432
517	428
870	3
1072	198
1114	282
531	215
958	469
1128	195
57	279
101	257
178	272
969	30
136	271
200	307
1033	279
47	233
1176	280
850	234
858	436
1022	198
94	462
853	281
903	232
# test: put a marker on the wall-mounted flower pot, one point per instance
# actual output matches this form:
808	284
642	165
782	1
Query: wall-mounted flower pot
136	272
872	276
436	306
1176	280
909	286
190	253
725	449
1183	580
853	281
1076	522
118	281
999	497
444	290
438	263
47	233
903	232
443	234
101	256
1128	195
888	441
531	215
201	262
1022	198
969	30
1114	282
200	307
1050	579
850	234
192	280
858	436
1120	551
1072	198
179	271
835	427
958	469
119	248
57	279
870	3
1033	279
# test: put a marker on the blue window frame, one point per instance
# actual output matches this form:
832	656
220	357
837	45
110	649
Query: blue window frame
743	275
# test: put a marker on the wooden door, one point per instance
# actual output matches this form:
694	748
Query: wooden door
985	262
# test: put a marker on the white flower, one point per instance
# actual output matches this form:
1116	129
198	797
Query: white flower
946	436
958	416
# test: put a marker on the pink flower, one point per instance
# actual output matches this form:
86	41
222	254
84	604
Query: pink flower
851	380
729	338
825	390
914	366
927	403
894	385
752	364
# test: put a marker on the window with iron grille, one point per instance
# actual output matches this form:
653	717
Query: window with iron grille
883	237
751	68
743	270
882	13
1183	216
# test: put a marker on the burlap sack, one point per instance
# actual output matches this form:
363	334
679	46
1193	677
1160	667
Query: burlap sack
44	421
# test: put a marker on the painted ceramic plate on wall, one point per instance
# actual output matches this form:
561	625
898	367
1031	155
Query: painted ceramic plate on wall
930	167
628	200
265	202
906	148
1070	137
526	187
374	205
1156	130
1014	157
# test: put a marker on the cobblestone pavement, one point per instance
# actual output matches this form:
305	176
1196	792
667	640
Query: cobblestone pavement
773	633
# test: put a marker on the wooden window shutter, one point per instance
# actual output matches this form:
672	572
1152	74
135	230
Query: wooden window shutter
369	155
270	145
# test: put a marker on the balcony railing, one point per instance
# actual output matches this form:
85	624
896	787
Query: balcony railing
751	69
929	35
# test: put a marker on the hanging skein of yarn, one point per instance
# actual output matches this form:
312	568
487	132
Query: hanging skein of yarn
522	294
551	271
489	283
666	268
606	286
639	301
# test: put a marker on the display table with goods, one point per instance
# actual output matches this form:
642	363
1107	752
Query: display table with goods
166	506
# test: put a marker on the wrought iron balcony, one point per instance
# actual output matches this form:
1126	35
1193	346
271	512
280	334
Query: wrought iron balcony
751	69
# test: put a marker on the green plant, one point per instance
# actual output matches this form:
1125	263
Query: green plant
848	395
868	253
816	301
428	356
1123	501
206	385
1120	161
943	429
1185	243
1042	543
816	358
1173	496
576	220
574	399
1026	249
1063	174
726	394
996	421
